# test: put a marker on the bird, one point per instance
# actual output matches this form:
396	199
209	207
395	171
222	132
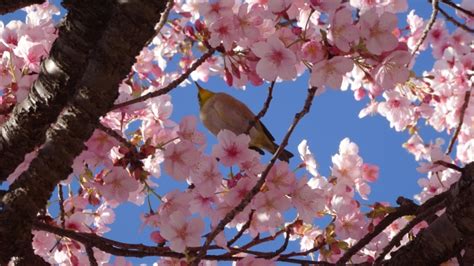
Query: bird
220	111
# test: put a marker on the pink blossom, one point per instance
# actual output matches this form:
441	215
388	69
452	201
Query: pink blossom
281	179
103	216
206	177
377	31
187	131
307	157
202	204
313	52
415	146
43	242
253	261
330	72
100	143
212	10
223	30
78	221
180	158
31	53
157	238
327	6
279	6
343	32
174	201
347	164
248	20
397	109
275	60
118	184
308	240
231	149
370	172
269	212
393	70
182	233
120	261
307	201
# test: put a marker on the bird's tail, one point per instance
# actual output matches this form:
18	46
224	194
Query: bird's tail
284	155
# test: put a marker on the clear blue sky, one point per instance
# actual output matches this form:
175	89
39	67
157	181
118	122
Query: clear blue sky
334	116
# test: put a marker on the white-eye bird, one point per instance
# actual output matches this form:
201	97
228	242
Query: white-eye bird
220	111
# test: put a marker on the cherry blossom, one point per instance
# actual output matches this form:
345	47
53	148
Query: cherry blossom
232	149
117	186
377	31
275	60
182	233
343	31
179	158
329	72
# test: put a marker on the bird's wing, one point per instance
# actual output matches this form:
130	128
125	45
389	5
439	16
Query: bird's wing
267	132
234	115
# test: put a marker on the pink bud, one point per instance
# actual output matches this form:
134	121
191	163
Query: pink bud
157	238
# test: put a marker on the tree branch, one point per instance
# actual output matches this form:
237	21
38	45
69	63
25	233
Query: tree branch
464	106
60	72
446	236
406	208
241	206
8	6
129	28
264	110
455	22
171	85
453	5
429	25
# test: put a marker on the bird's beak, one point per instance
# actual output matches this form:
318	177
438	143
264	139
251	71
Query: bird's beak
199	86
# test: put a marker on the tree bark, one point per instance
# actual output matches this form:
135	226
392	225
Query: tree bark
56	83
131	27
446	236
7	6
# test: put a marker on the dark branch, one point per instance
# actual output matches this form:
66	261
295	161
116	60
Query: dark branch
464	106
171	85
7	6
129	29
406	208
264	110
455	22
60	72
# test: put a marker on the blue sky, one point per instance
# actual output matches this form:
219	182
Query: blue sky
334	116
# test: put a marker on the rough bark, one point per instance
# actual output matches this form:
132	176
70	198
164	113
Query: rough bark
8	6
60	72
447	235
131	26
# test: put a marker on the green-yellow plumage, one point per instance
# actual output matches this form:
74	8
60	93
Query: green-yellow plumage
221	111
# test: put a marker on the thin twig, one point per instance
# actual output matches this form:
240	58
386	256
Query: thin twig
61	206
428	27
90	254
242	230
464	106
282	247
114	135
406	208
455	22
241	206
172	84
398	237
453	5
138	250
264	110
449	165
164	16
